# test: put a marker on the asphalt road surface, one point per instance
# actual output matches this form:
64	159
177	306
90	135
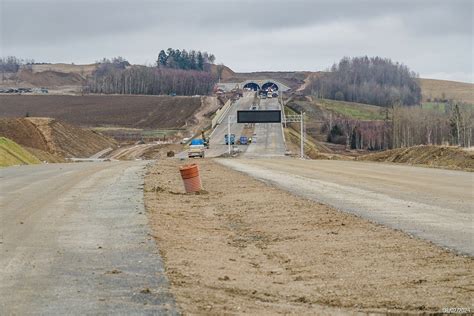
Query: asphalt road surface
267	141
74	240
433	204
217	143
268	138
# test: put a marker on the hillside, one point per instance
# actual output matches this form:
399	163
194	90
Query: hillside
226	71
69	78
430	88
50	79
460	91
83	70
58	78
321	111
49	136
105	111
13	154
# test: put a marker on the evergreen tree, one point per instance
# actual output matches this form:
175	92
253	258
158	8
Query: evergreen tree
162	57
200	61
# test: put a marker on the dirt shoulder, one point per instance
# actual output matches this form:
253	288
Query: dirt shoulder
247	247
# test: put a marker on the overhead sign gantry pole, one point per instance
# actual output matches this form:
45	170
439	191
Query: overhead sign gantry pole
298	118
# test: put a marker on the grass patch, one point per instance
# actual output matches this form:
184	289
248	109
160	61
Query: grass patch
439	106
13	154
353	110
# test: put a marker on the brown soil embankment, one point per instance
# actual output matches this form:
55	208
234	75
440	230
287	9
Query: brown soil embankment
447	157
50	79
145	112
52	137
243	247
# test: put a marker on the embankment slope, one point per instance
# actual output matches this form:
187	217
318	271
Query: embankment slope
13	154
46	135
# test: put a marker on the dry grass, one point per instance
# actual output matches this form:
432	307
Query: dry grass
460	91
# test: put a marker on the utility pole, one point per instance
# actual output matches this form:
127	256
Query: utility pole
302	135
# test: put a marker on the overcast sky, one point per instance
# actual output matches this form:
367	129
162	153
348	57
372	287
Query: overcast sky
434	38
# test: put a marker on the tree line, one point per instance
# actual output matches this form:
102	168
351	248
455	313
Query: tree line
182	59
418	126
118	76
405	127
151	80
12	64
374	80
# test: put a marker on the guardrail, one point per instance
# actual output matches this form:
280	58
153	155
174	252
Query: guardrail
220	113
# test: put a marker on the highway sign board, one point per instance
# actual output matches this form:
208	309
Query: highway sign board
256	116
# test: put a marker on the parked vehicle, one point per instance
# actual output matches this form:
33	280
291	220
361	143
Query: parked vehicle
244	140
185	140
196	149
232	139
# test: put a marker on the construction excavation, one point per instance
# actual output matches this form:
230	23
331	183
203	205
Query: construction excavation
259	232
166	182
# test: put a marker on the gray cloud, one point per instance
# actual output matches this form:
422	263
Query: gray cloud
434	38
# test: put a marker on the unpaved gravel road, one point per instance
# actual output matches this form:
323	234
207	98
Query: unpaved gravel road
74	240
433	204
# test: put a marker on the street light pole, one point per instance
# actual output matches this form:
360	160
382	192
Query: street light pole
302	135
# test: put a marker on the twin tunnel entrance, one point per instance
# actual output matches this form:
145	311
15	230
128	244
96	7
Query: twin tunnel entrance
266	86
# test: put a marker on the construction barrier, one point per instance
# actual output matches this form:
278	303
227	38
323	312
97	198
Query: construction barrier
220	114
191	178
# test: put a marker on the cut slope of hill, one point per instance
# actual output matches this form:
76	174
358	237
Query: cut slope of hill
433	156
49	79
13	154
54	137
83	70
460	91
226	72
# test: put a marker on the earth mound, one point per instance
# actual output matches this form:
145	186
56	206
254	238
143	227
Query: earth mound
54	137
433	156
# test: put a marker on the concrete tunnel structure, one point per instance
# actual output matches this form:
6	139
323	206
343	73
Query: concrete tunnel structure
255	85
252	85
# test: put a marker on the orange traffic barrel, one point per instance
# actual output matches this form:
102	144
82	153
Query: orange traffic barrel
191	178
